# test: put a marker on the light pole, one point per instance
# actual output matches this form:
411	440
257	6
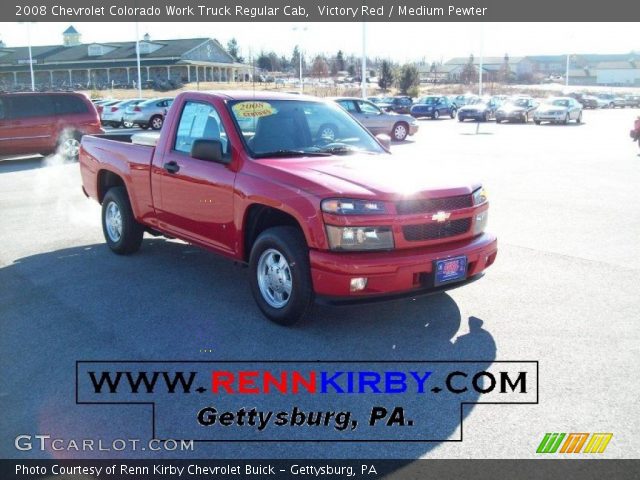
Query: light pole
138	62
566	73
364	60
300	29
481	59
33	80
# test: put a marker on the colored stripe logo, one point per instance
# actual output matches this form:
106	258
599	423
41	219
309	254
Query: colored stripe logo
574	443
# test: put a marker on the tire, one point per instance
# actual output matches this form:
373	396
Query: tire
566	119
460	119
127	124
69	145
144	127
579	119
328	132
537	122
156	122
436	115
485	117
453	113
525	118
279	261
122	232
400	131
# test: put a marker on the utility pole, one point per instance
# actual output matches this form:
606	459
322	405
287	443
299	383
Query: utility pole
364	60
138	62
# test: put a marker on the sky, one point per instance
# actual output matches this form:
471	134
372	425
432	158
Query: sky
400	42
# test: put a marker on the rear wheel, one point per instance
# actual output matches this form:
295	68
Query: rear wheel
156	122
566	119
436	115
121	230
69	145
280	275
453	113
579	119
537	122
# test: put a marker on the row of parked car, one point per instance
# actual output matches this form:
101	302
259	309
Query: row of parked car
134	112
500	108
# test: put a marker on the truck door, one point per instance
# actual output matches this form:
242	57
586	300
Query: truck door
196	196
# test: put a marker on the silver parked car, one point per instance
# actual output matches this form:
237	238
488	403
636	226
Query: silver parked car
113	115
149	113
558	110
376	120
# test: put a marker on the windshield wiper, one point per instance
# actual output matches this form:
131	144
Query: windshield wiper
292	153
339	150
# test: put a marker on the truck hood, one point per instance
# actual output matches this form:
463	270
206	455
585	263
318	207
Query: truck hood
381	177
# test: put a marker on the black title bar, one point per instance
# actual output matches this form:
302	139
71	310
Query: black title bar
321	11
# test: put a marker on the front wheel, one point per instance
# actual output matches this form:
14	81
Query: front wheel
400	131
281	275
453	113
436	115
579	119
121	230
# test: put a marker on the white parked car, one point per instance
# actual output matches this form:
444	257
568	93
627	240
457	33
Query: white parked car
558	110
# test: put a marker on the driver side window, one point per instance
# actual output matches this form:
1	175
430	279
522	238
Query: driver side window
199	120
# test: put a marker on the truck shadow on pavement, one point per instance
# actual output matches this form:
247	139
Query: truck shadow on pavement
173	301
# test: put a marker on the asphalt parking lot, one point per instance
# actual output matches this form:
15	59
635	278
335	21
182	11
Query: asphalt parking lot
564	290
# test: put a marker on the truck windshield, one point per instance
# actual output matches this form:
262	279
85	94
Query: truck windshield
299	128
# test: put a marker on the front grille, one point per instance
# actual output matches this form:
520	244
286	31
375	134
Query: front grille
435	231
432	205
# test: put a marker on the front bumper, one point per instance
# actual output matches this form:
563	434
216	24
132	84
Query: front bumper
472	114
550	117
396	272
518	116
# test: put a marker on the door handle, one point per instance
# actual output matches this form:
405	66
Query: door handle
171	167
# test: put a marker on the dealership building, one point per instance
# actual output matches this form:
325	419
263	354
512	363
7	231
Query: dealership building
94	65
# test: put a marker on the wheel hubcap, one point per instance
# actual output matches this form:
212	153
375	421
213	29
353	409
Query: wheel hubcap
400	132
274	278
113	221
157	123
70	148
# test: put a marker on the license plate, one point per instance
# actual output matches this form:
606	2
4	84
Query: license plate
450	270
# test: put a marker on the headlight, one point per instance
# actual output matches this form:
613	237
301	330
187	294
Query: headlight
345	206
480	222
480	196
360	238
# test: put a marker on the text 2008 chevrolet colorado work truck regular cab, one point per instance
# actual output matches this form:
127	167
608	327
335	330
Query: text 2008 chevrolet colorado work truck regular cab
251	176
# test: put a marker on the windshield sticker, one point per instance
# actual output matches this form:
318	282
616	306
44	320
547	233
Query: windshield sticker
253	109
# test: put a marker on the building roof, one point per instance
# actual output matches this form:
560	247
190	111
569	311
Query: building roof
619	65
485	60
119	51
71	29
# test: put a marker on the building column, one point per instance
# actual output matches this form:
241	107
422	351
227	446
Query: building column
168	72
15	78
88	76
70	78
51	78
148	74
108	76
128	77
188	73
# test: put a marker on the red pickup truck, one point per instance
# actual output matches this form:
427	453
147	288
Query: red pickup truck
251	175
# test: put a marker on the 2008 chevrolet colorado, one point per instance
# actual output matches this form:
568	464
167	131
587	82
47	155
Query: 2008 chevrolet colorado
250	175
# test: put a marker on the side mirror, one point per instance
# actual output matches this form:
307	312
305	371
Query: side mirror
384	140
209	150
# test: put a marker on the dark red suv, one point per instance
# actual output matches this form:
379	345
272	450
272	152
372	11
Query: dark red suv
45	122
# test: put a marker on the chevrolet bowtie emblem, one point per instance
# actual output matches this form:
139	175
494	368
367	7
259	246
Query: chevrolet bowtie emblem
440	216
